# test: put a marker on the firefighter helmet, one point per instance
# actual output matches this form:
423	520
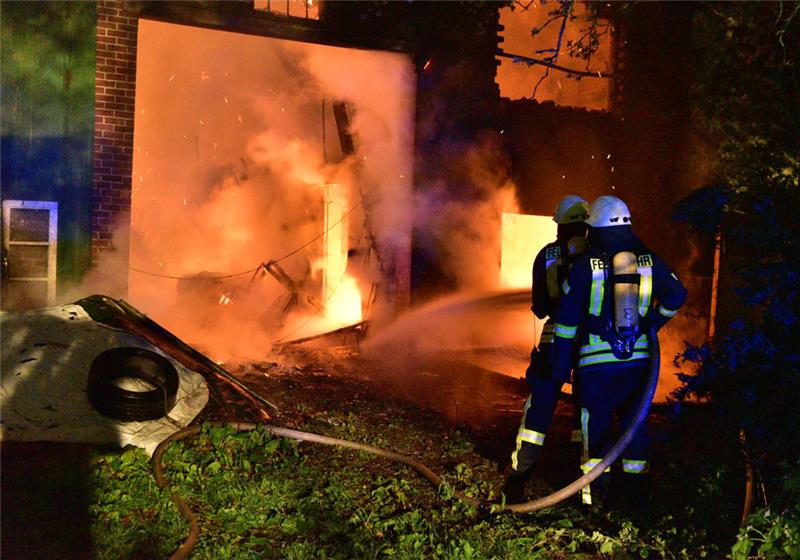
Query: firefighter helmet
608	211
570	209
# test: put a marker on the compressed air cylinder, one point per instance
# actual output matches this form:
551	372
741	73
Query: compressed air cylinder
626	294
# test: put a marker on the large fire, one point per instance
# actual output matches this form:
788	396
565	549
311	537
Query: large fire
339	288
249	219
254	223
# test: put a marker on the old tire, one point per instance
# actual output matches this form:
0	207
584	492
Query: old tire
114	401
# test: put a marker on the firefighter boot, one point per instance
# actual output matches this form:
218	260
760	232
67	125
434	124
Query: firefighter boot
514	487
635	492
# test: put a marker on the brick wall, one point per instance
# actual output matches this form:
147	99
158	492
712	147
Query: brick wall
115	91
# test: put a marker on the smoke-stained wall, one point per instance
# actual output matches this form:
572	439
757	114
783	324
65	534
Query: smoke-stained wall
660	159
47	78
557	151
654	148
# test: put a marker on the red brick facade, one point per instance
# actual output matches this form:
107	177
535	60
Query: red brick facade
115	92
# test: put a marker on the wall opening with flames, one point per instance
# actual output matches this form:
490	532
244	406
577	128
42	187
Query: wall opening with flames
531	29
265	172
521	238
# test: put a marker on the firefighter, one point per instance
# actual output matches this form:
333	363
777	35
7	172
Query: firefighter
613	295
550	269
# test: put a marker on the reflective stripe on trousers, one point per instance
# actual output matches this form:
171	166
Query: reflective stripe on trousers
548	332
525	435
586	491
635	466
585	433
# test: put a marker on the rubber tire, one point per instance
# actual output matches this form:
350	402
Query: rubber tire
132	406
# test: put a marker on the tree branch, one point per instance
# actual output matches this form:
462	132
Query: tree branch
524	6
535	61
566	10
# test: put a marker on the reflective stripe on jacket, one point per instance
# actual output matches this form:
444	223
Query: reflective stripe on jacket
587	306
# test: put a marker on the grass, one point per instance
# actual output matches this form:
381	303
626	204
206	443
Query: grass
261	497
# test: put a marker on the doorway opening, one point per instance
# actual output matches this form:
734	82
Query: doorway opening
263	172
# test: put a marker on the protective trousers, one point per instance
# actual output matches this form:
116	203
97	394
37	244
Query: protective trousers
603	392
538	413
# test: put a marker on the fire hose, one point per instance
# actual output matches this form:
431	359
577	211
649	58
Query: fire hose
546	501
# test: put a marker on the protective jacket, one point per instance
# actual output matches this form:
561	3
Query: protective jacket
585	308
549	272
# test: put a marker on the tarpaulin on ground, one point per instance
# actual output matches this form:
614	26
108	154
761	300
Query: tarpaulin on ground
46	356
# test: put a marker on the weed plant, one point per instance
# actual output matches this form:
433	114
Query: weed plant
257	496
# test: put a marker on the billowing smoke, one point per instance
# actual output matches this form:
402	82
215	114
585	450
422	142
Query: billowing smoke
463	228
237	157
459	221
382	87
236	146
109	276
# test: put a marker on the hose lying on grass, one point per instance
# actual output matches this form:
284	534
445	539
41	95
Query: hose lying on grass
546	501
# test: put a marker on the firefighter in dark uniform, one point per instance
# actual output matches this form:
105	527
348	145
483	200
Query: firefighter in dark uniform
613	295
550	269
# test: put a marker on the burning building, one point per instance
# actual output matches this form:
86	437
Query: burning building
248	172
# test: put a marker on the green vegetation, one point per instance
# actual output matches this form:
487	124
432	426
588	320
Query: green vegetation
261	497
746	102
773	532
47	68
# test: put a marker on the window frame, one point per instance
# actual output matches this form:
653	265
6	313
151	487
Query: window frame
52	242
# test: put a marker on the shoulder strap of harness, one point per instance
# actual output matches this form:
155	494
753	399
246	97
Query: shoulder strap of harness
554	265
599	266
644	267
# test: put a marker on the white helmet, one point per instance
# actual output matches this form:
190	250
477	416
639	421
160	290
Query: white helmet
570	209
608	211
